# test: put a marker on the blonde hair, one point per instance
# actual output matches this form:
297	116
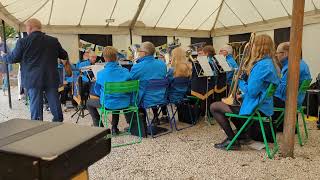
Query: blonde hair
262	46
110	53
182	68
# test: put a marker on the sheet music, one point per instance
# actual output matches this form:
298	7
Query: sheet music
96	68
223	63
203	61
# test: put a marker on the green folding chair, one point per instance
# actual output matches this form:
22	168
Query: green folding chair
256	116
305	84
131	87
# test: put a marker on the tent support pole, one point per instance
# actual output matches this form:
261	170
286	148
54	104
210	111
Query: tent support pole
130	34
293	78
7	65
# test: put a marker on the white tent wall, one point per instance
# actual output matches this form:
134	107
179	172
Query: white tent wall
70	42
311	49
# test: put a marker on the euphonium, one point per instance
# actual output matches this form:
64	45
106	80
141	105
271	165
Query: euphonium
231	99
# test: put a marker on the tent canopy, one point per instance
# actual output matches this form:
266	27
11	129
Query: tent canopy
199	17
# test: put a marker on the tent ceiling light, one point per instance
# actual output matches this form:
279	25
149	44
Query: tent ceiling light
109	20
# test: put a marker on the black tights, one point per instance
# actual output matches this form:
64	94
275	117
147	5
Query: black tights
218	109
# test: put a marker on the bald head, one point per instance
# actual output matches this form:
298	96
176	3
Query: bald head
32	25
283	51
148	48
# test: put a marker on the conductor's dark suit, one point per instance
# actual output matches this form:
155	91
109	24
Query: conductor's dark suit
38	54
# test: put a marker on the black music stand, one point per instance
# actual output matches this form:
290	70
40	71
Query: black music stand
83	101
204	69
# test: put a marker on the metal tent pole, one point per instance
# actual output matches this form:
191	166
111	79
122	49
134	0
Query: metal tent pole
7	65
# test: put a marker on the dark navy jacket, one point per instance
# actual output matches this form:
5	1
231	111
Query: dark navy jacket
38	55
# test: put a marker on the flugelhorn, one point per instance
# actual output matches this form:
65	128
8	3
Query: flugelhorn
232	98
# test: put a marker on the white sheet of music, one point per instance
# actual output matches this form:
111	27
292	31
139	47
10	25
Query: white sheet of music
223	63
96	68
204	63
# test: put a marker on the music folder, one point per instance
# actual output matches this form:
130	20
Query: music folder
206	68
223	63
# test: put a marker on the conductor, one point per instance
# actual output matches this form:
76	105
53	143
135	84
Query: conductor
38	56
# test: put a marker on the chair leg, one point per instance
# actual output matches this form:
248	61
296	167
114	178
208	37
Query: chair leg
298	131
173	118
139	126
274	136
239	132
265	139
280	119
304	124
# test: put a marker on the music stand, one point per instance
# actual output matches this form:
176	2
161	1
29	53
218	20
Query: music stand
206	71
81	101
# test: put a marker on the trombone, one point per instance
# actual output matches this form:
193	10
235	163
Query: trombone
231	99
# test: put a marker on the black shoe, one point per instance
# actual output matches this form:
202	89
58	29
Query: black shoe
223	145
244	138
164	119
115	130
318	124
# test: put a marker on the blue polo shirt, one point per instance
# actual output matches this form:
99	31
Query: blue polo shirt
282	88
146	69
254	91
112	72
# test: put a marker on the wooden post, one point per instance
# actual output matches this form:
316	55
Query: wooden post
293	78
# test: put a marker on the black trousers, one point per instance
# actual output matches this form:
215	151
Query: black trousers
92	106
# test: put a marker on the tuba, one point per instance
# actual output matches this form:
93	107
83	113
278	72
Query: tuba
231	99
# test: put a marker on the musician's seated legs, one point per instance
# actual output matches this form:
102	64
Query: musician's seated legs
218	110
92	106
114	123
164	117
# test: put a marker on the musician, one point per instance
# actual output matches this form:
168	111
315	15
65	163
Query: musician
261	70
148	68
280	94
38	54
227	51
200	51
111	73
180	67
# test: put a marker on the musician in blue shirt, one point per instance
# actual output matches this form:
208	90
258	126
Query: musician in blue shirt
280	94
38	56
148	68
261	70
227	52
111	73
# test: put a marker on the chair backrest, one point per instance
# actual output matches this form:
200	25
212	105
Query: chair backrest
271	90
122	87
180	82
155	92
157	84
304	86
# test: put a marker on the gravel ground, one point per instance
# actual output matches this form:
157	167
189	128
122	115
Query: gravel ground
189	154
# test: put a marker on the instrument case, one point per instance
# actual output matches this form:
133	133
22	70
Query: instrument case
38	150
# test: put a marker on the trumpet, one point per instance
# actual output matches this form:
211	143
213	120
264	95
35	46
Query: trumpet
231	99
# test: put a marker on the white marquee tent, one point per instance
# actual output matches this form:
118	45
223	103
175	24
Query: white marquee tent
202	18
66	19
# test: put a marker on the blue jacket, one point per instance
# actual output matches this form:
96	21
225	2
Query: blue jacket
112	73
304	75
262	74
175	93
232	63
146	69
38	55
